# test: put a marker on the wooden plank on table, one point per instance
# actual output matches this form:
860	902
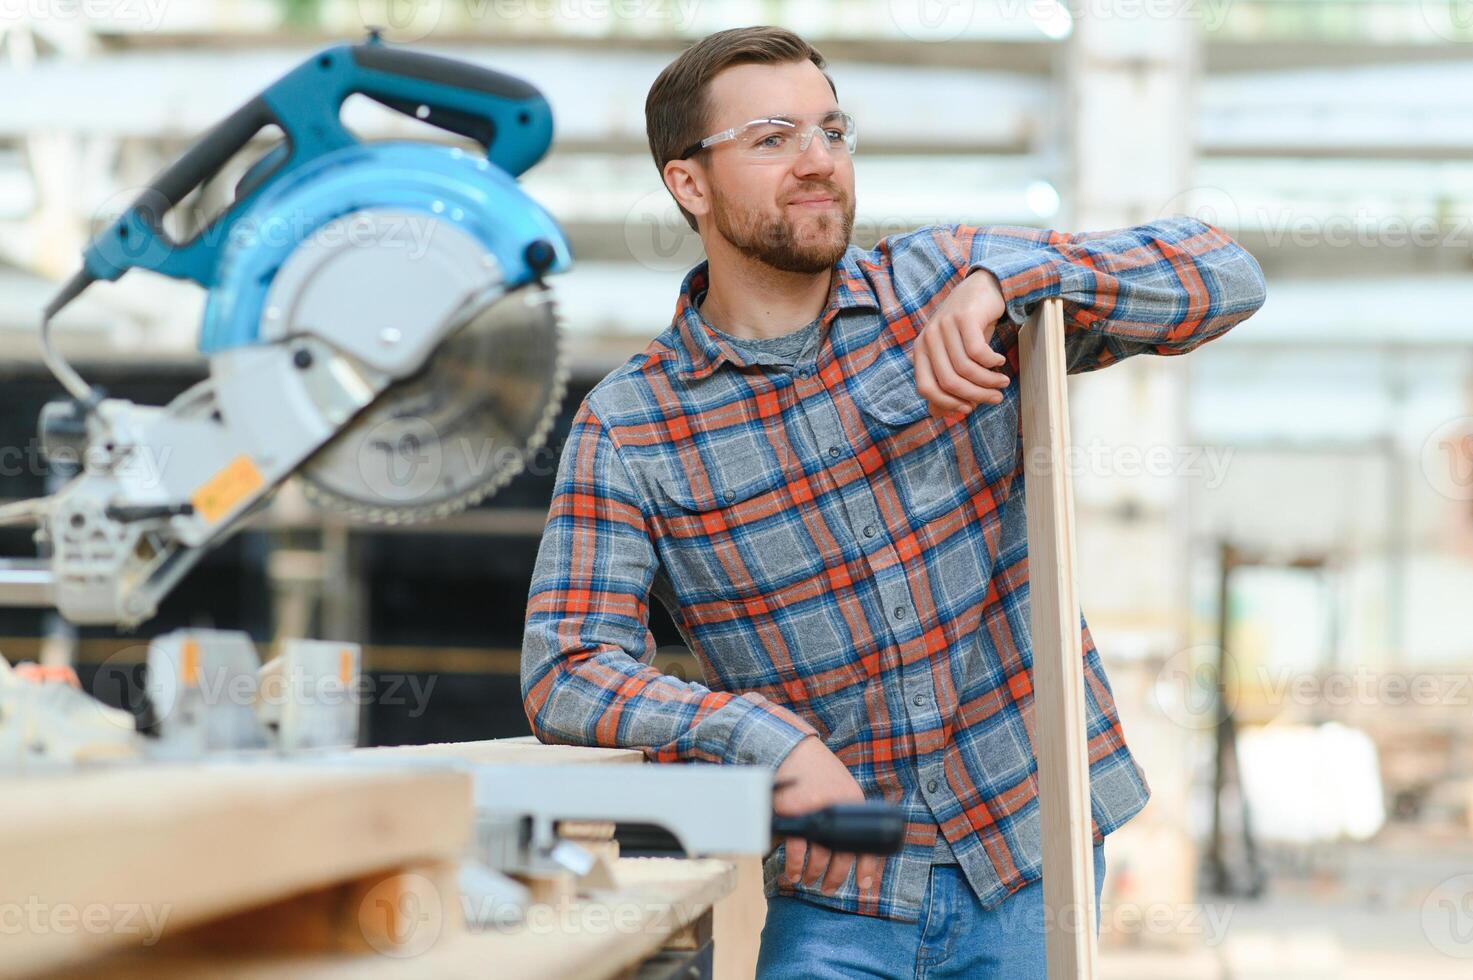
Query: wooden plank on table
583	939
1058	664
112	858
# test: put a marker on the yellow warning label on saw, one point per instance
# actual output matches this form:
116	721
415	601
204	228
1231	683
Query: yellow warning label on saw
222	492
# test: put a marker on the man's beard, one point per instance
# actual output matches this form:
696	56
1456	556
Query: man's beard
772	241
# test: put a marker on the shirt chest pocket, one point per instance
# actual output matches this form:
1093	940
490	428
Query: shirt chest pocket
734	535
931	464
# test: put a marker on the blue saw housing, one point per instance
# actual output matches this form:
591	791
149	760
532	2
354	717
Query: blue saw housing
322	172
430	183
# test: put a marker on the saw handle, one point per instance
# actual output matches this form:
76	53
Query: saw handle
460	98
852	828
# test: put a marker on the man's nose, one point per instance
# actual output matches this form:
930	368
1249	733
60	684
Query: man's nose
818	159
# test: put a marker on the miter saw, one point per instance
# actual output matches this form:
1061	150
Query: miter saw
377	324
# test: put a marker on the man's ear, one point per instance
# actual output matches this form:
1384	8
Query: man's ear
687	182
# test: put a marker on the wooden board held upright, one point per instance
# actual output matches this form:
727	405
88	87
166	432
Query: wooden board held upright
1058	656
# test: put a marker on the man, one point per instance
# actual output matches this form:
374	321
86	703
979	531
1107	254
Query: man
817	469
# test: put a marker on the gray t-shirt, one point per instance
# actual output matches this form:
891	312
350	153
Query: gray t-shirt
788	347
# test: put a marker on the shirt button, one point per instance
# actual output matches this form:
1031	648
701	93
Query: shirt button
802	372
834	451
931	786
729	495
899	612
869	530
919	700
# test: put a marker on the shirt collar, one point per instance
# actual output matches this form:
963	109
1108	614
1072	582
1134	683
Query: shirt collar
700	351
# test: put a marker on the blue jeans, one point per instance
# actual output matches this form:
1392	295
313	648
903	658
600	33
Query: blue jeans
954	937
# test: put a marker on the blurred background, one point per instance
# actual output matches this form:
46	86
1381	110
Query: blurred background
1275	533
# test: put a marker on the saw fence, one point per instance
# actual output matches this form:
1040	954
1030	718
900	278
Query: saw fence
1060	738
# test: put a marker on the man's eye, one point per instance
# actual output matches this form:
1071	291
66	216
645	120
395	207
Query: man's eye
835	135
772	141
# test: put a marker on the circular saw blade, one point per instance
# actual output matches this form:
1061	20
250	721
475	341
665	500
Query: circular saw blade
459	430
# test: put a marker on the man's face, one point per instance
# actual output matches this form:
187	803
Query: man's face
794	213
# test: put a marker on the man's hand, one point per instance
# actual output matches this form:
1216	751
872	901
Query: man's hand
954	364
811	778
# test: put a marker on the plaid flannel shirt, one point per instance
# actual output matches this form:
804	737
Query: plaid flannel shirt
840	562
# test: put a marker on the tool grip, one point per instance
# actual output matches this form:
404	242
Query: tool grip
855	828
474	102
207	157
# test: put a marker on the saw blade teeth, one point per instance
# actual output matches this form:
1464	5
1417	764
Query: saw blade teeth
397	515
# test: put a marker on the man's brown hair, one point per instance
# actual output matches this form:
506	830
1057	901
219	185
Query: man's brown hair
676	112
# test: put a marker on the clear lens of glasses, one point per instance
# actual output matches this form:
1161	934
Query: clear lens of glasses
778	137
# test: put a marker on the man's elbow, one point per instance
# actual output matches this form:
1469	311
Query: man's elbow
1248	289
538	680
1241	286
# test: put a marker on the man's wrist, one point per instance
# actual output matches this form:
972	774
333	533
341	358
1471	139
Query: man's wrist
766	736
1039	269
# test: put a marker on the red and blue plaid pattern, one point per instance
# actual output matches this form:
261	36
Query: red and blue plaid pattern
840	562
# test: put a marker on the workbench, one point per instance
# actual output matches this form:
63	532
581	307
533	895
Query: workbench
263	867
